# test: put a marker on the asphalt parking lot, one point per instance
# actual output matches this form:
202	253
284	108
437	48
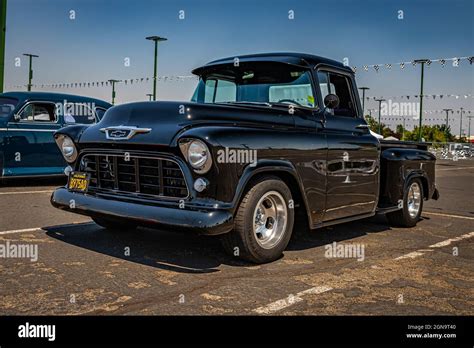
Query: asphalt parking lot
84	269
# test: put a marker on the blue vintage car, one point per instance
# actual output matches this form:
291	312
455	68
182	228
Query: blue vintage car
27	123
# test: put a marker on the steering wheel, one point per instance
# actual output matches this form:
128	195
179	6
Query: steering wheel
291	101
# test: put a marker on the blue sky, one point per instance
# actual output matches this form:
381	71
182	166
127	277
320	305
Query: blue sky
93	46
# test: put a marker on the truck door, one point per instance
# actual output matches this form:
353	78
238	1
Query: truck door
352	166
30	148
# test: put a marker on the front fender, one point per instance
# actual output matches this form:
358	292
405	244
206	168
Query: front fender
280	168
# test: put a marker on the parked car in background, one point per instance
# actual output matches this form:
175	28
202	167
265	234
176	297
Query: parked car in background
27	123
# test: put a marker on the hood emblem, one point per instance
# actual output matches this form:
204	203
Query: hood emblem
123	132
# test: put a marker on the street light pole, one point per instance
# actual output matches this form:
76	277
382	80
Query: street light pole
113	82
460	125
30	71
156	39
3	28
380	107
447	122
422	62
447	117
363	99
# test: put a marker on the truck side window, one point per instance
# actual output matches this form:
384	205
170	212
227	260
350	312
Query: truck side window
323	83
38	112
340	86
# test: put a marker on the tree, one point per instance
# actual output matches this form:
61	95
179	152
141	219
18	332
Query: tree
400	129
436	133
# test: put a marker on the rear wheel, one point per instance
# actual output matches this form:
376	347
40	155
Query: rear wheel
409	215
263	223
114	225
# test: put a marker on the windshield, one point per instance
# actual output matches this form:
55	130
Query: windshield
7	105
270	83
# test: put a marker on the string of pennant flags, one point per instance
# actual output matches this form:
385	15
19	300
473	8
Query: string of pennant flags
433	96
414	121
89	84
440	111
455	62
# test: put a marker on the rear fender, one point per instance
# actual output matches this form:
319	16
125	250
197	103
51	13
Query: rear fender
403	165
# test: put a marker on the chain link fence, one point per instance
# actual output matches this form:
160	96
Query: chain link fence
453	151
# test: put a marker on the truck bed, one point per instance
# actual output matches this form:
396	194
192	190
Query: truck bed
401	161
386	144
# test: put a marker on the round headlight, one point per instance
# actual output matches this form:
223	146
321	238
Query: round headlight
198	153
68	149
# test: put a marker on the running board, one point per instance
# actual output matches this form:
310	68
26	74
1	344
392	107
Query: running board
386	210
343	220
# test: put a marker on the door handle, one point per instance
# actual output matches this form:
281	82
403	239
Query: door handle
362	126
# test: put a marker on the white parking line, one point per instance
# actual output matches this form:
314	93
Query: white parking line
449	215
24	192
459	168
449	241
20	231
290	300
421	252
33	229
413	254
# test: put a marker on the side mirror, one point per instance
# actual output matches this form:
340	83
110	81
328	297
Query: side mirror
17	117
331	101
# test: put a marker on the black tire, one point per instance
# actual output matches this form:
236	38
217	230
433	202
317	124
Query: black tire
114	225
402	217
242	241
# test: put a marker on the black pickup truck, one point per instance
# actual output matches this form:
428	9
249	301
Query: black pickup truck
266	138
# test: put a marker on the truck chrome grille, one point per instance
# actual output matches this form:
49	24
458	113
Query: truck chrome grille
139	175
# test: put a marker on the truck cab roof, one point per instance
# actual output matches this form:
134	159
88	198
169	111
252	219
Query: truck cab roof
297	59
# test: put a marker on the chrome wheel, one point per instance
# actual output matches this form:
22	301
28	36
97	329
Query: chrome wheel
414	199
270	219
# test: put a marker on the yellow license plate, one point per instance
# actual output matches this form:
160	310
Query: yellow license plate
78	181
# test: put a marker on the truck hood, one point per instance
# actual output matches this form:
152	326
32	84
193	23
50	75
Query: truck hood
158	123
